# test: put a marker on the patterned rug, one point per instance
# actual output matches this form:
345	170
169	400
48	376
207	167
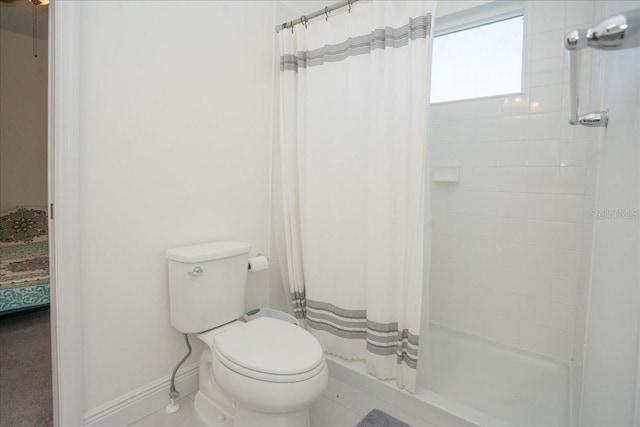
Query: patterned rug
378	418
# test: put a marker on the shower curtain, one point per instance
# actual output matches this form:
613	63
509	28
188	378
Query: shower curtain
353	114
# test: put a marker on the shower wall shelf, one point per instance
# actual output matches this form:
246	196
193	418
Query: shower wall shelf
446	173
620	31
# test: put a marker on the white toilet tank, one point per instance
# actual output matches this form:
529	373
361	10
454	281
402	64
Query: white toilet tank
207	284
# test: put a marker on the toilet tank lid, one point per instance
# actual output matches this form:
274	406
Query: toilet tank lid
207	251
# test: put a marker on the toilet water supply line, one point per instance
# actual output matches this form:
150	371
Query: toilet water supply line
173	405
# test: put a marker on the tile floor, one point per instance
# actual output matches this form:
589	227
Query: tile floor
339	406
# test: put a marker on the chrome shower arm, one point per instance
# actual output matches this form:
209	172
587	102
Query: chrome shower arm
574	41
620	31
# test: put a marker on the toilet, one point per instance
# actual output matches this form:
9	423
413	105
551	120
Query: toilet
258	368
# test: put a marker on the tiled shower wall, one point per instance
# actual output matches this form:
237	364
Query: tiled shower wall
508	236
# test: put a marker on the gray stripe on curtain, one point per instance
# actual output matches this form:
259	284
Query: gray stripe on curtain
390	349
353	314
405	354
401	357
299	303
362	324
382	38
354	331
339	316
382	338
342	333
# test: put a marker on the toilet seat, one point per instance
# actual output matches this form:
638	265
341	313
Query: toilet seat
269	349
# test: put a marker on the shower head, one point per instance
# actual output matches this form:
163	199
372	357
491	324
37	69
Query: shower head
616	32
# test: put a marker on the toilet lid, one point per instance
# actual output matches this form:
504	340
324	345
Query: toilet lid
271	346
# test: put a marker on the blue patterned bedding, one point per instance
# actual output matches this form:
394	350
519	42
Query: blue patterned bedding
24	258
24	275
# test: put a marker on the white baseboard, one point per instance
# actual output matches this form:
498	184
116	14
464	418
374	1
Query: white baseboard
139	403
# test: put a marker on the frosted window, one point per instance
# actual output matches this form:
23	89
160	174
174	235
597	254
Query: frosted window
479	61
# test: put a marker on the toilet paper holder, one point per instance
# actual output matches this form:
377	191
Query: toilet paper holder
258	255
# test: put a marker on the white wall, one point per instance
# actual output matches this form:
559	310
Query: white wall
176	102
612	297
23	112
508	236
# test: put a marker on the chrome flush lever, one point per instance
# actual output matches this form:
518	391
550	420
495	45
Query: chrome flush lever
196	272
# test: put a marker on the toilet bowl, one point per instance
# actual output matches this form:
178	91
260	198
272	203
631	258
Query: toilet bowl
260	370
270	369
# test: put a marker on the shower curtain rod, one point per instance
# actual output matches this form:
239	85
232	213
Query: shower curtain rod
305	18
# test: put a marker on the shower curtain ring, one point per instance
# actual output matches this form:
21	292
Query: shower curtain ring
349	3
326	13
304	20
291	23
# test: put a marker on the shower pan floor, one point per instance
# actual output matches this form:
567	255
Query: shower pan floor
518	387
